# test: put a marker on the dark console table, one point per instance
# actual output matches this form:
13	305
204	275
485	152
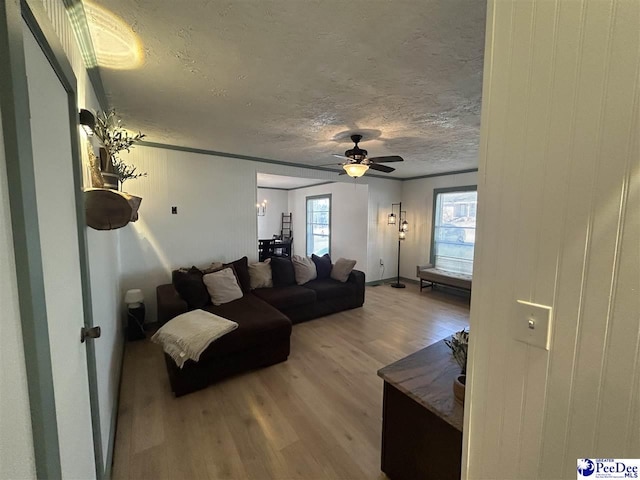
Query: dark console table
421	421
273	247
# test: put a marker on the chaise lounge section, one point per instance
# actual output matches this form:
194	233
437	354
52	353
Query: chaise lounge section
261	339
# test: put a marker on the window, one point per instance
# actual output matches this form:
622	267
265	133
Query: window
454	228
319	225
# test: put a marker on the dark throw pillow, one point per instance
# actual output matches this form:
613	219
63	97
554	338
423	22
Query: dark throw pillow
282	272
191	288
241	267
323	265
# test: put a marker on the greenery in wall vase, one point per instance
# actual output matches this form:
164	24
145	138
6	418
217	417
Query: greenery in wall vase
125	171
115	139
106	207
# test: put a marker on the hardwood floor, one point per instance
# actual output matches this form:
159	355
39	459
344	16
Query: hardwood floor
315	416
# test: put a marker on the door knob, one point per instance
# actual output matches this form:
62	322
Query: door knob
93	332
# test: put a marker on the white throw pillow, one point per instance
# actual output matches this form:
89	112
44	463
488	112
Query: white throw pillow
222	286
304	268
342	268
260	275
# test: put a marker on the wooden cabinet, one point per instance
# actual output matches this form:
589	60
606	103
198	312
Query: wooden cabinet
422	423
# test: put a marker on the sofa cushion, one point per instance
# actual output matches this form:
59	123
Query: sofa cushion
260	274
323	265
190	287
286	297
282	272
258	324
328	288
435	275
241	267
222	286
304	269
342	269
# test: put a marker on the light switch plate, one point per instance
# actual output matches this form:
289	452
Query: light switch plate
533	324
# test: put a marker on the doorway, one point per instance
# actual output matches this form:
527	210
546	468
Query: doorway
43	170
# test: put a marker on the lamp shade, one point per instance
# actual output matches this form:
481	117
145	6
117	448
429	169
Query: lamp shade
355	170
404	226
133	296
402	235
391	219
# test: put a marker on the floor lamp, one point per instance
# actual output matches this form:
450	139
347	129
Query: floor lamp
403	226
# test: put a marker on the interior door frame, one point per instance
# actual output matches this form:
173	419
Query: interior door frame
14	99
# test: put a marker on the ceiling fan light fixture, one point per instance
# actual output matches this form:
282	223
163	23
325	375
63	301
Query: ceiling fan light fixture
355	161
355	170
356	154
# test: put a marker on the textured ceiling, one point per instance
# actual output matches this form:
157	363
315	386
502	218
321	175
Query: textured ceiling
289	80
267	180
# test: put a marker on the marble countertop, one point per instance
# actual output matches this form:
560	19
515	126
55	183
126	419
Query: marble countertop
427	377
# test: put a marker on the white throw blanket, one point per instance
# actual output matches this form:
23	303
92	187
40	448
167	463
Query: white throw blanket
186	336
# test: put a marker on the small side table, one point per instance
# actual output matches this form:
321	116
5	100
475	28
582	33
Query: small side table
135	322
135	314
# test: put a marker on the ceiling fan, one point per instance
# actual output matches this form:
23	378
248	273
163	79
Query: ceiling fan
357	162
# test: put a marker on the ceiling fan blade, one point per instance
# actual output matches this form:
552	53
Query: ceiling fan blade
330	165
389	159
381	168
337	155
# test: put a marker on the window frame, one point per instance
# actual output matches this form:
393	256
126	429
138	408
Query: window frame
436	192
306	220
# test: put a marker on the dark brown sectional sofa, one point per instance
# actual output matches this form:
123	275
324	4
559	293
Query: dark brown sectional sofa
264	317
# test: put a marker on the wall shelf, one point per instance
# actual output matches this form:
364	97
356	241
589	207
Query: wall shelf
107	209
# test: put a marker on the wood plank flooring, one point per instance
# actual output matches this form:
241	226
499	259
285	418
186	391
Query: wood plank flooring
315	416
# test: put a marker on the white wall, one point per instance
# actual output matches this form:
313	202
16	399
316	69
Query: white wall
216	219
349	207
558	224
277	203
16	441
417	200
103	252
382	239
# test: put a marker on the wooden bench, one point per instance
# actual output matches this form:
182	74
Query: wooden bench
430	276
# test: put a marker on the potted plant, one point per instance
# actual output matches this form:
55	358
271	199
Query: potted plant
459	343
115	139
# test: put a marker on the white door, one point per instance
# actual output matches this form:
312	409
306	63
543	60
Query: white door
55	194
